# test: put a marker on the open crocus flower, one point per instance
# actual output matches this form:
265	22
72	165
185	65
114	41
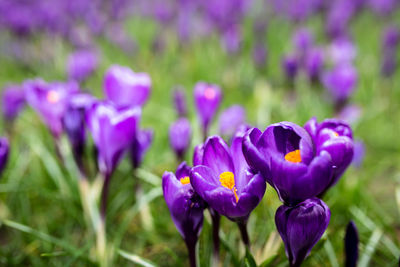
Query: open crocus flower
287	158
13	101
4	150
335	137
207	98
184	203
224	181
179	136
301	226
113	131
50	100
126	88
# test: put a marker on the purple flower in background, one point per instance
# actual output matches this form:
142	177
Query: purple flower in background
383	7
314	63
141	143
112	130
13	101
303	40
125	88
179	98
340	82
179	136
207	98
359	153
224	181
391	40
50	100
4	151
335	137
81	64
301	227
342	51
287	158
350	114
231	119
338	18
259	54
290	66
185	205
231	39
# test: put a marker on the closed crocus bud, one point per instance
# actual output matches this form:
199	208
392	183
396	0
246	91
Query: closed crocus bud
314	63
13	101
179	136
50	101
141	143
359	153
286	156
303	40
335	137
81	64
185	205
301	227
224	181
4	150
180	102
340	82
126	88
351	245
207	98
231	119
112	130
290	66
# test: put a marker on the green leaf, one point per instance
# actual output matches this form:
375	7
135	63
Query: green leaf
136	259
269	261
249	260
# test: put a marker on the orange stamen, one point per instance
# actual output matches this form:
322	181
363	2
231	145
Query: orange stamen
293	156
227	180
185	180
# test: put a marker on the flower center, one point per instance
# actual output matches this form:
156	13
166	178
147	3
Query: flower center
227	180
185	180
209	93
53	97
336	134
293	156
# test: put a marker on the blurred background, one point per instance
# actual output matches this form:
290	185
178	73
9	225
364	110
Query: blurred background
281	60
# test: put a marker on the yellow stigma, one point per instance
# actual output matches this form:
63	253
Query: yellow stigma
293	156
336	134
227	180
185	180
209	93
53	97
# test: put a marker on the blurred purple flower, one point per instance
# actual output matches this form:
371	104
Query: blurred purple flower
259	54
112	130
290	66
230	120
125	88
390	43
314	63
342	51
383	7
13	101
338	18
359	153
350	114
81	64
301	227
303	41
231	39
141	143
179	98
4	151
179	136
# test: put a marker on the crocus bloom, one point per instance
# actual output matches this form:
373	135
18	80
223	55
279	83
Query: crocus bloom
113	131
224	181
180	102
4	150
290	66
335	137
126	88
391	40
207	98
13	101
314	62
359	153
303	40
342	51
81	64
50	100
301	227
340	82
179	136
286	156
351	245
184	203
141	143
230	120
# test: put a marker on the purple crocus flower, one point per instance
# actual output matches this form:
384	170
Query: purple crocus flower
125	88
340	82
13	101
231	39
290	66
314	62
391	40
342	51
81	64
224	181
180	102
141	143
350	114
4	151
301	227
359	153
179	136
50	100
207	98
185	205
303	40
287	158
113	131
231	119
335	137
383	7
260	54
